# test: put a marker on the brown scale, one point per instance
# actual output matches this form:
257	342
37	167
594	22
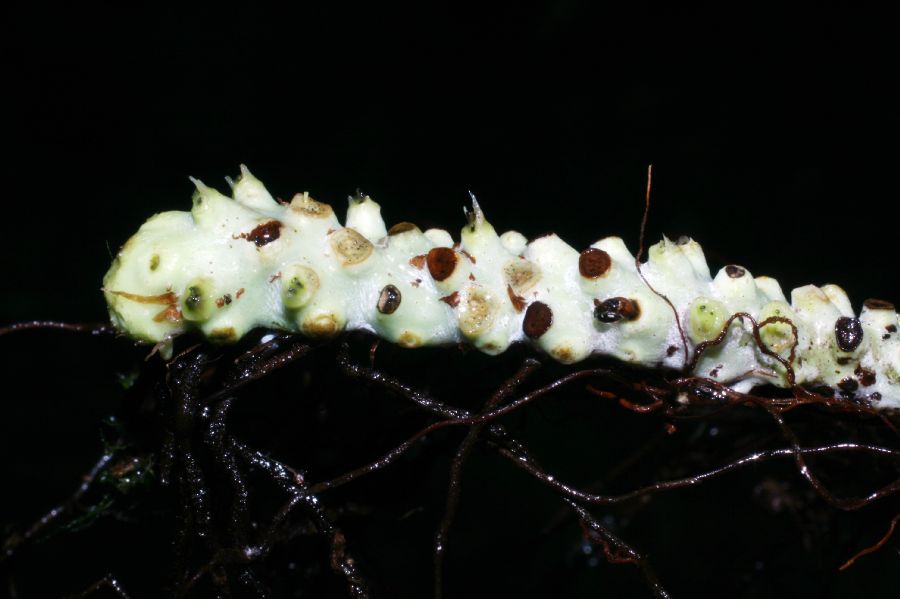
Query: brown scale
865	376
734	271
877	304
848	332
593	263
263	234
402	227
616	309
441	263
538	318
848	386
389	300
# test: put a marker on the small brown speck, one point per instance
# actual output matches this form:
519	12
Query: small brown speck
416	283
469	256
220	302
670	351
441	263
417	261
594	263
471	277
891	328
275	277
538	318
865	376
518	301
844	360
451	300
239	293
734	271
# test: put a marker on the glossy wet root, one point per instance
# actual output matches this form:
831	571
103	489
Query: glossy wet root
226	537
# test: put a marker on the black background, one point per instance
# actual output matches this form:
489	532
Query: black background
773	137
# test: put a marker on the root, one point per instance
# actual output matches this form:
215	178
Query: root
239	508
95	329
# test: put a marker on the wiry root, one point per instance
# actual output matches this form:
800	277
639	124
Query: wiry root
227	537
95	329
107	582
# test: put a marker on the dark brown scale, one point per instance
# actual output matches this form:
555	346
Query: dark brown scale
538	318
866	377
401	228
441	263
593	263
264	233
877	304
616	309
389	300
670	351
194	298
848	332
891	328
734	271
848	386
224	300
